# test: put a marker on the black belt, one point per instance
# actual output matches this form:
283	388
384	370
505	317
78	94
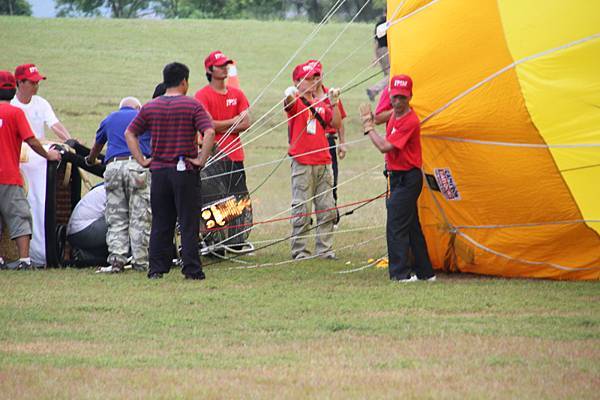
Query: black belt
393	174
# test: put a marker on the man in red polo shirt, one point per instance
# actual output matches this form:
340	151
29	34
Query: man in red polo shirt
312	178
403	159
14	208
228	107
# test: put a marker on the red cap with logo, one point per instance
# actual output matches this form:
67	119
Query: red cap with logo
216	58
7	80
28	72
316	64
401	85
306	70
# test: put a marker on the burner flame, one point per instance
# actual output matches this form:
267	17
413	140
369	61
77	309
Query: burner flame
224	211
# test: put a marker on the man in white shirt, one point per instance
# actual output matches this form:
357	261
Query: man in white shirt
37	110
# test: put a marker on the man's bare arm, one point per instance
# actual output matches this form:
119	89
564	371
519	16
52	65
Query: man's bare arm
133	142
60	131
50	155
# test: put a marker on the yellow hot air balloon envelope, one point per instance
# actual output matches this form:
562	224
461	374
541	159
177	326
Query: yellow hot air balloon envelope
508	93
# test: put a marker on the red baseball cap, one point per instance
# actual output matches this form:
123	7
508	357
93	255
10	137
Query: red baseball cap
305	70
316	64
401	85
216	58
7	80
28	72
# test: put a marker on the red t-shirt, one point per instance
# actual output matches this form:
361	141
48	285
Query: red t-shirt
306	133
330	129
225	106
385	104
14	130
404	134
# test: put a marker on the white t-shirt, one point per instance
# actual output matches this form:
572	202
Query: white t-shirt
38	113
89	209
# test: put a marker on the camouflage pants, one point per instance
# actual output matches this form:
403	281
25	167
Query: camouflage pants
127	212
309	181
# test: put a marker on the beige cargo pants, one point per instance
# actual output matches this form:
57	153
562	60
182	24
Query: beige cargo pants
312	182
128	214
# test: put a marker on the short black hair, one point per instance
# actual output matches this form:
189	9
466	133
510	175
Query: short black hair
159	90
209	73
7	94
174	73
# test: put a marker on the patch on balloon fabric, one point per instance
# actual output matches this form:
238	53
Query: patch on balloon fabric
446	183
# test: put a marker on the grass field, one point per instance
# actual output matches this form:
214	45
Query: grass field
288	331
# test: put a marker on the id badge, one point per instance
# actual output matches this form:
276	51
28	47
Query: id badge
311	126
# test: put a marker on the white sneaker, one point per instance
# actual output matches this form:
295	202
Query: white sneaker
328	256
432	279
108	270
407	280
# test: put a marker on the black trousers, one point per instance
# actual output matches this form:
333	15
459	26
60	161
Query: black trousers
174	197
89	245
334	164
403	229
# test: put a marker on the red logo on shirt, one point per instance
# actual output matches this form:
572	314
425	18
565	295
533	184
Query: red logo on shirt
230	102
1	122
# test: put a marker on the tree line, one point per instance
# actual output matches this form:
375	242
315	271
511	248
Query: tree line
312	10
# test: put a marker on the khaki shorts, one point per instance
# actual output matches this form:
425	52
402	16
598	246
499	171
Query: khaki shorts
15	211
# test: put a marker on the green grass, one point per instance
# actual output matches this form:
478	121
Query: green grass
300	331
288	331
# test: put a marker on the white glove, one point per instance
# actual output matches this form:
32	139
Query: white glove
334	95
292	91
382	30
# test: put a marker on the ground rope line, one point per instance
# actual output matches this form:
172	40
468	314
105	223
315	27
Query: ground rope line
368	265
306	258
347	213
304	202
335	232
316	212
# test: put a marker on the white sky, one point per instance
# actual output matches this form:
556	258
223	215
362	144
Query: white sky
42	8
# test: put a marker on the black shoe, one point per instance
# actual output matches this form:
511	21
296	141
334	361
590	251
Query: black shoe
24	265
197	277
155	275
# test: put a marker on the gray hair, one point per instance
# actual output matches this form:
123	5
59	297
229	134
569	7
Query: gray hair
130	102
